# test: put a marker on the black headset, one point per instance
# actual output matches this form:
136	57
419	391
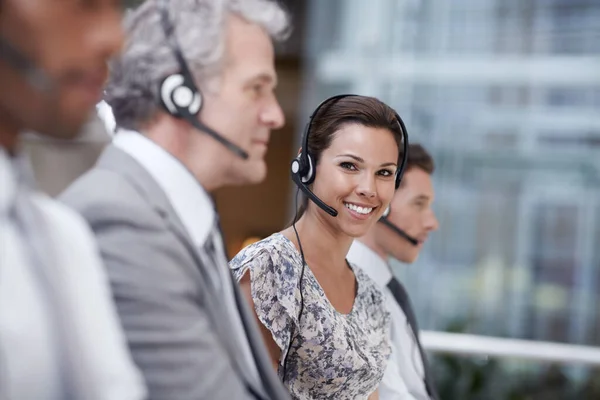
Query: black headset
178	93
384	220
35	76
303	167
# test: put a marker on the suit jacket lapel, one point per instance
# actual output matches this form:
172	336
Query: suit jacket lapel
270	380
219	315
119	162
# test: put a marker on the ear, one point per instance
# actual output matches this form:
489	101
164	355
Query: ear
299	151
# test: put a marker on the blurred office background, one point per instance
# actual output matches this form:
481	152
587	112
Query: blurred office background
506	96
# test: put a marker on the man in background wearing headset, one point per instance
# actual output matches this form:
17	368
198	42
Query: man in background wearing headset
193	100
59	333
401	234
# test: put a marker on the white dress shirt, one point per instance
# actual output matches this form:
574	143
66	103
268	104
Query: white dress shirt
105	114
55	301
195	209
403	378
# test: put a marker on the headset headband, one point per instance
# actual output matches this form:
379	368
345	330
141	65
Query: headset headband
169	30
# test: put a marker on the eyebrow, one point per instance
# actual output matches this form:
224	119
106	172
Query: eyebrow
422	197
360	160
263	77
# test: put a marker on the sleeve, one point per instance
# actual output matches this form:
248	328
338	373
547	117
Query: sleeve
113	375
274	282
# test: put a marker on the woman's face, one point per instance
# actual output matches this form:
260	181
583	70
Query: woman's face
356	176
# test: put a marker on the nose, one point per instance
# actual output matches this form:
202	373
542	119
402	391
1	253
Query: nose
108	37
431	223
366	186
272	114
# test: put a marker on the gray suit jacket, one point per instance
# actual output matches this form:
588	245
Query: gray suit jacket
172	319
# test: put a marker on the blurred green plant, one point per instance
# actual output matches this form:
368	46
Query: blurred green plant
484	378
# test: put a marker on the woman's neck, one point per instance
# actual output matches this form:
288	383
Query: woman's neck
321	244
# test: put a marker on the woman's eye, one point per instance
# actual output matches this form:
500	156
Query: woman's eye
348	165
386	172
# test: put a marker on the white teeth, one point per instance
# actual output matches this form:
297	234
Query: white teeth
358	209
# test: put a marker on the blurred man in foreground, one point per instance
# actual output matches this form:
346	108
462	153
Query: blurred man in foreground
59	333
400	234
193	102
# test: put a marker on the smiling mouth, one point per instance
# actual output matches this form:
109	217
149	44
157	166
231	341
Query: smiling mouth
359	209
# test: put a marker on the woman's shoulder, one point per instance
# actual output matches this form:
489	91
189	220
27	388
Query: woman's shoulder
273	269
275	250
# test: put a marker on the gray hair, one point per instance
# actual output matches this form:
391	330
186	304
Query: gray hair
135	76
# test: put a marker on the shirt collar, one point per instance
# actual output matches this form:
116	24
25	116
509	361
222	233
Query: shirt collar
15	175
370	262
104	112
193	205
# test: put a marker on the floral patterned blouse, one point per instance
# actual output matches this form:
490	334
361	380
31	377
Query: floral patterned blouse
332	355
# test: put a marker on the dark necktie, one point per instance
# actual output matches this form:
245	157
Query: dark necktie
403	300
213	263
217	256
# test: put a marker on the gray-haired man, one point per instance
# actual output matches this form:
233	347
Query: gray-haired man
148	199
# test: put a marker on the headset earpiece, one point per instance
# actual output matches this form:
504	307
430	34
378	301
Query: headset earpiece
303	167
296	165
309	176
176	95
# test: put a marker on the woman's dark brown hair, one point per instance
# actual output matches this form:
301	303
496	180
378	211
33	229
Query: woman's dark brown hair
361	110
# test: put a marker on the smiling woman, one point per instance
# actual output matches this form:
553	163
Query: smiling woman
327	329
337	114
